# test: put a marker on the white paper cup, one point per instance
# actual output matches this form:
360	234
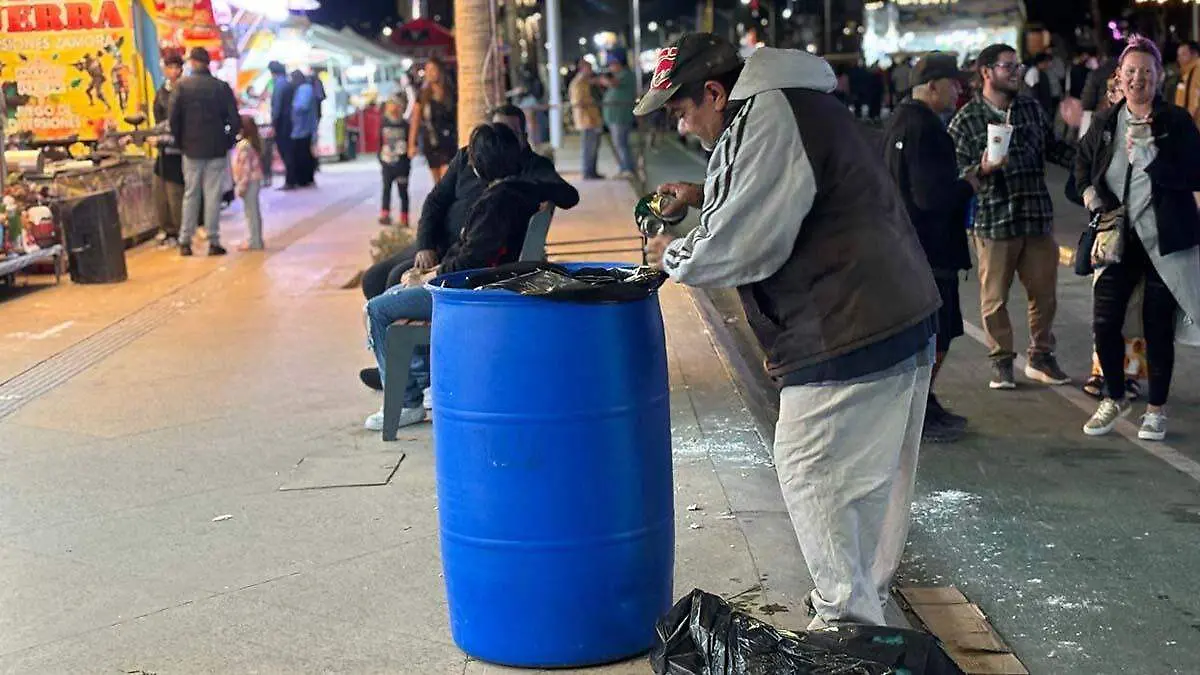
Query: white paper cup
999	138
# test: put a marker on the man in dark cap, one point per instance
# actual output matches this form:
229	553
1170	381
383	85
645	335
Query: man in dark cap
920	156
799	214
205	122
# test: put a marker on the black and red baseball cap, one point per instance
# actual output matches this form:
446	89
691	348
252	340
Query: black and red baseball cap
695	57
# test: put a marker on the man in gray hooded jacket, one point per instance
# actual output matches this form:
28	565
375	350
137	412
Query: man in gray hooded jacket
799	213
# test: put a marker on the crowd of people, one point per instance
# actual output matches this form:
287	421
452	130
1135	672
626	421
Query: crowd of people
848	267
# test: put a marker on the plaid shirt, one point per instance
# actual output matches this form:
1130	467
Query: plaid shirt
1013	202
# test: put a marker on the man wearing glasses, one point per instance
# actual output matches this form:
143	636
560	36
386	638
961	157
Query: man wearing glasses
1014	218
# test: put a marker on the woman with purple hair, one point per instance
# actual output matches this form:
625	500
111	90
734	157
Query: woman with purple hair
1142	155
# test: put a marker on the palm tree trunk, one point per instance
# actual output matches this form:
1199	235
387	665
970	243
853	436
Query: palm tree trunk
472	35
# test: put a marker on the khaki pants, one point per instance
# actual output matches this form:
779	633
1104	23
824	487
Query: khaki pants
1034	260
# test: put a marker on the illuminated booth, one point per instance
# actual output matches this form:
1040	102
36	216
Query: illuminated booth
963	27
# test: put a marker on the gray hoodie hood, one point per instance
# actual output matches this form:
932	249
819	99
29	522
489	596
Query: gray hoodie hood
770	68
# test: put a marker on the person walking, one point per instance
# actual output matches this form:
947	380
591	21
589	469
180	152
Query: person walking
920	156
205	122
1187	93
304	130
247	181
1014	217
433	125
798	213
587	117
168	165
1124	165
282	93
619	96
394	164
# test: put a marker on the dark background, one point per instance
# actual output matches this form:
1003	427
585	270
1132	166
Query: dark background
586	17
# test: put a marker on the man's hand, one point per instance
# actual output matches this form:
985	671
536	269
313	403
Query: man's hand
972	178
413	151
987	168
1092	201
655	248
682	195
426	259
417	277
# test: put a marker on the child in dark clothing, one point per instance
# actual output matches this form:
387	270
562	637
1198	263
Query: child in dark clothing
393	157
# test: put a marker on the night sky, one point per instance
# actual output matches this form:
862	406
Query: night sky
585	17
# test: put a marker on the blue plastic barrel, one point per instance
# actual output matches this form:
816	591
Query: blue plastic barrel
552	437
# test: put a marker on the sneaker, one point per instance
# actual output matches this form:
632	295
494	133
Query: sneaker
427	395
385	218
371	378
216	249
935	410
1002	375
1107	415
408	417
403	220
1044	368
185	250
1154	426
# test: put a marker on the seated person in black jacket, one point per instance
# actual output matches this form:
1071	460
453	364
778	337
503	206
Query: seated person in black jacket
493	234
445	209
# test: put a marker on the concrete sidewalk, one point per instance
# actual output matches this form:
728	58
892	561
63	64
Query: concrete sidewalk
198	389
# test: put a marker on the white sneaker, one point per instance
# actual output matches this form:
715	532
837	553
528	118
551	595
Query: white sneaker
1154	426
1106	417
427	394
408	417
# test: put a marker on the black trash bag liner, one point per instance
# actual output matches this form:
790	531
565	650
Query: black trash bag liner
555	282
703	635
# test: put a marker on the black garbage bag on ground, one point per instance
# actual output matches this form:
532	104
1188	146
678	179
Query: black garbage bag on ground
555	282
703	635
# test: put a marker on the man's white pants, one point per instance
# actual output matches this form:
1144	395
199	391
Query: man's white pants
846	454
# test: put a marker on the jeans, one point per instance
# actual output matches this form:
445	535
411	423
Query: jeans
846	455
253	213
203	180
591	151
1110	295
620	137
398	303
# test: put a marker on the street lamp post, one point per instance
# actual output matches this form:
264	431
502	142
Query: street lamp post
637	43
554	62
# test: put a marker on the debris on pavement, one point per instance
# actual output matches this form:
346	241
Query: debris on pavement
227	516
695	507
695	526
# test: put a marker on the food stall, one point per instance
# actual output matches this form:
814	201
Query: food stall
76	77
963	27
349	65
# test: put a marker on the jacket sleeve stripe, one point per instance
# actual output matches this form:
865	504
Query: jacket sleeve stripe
732	143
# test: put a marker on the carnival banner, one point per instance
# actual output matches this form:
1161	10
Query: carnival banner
69	68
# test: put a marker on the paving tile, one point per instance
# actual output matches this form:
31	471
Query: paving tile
44	599
231	634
